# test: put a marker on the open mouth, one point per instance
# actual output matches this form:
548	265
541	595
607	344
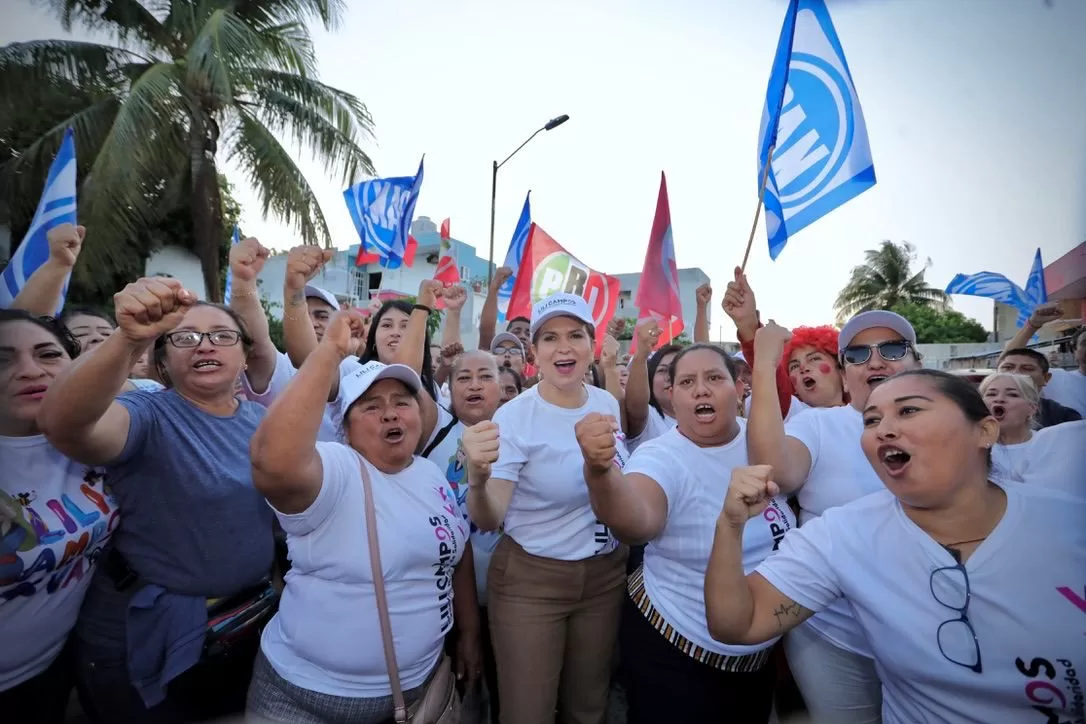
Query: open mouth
565	367
704	412
507	364
393	435
876	380
808	383
894	459
474	399
35	392
998	411
206	363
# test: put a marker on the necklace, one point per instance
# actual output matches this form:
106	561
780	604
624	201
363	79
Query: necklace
963	542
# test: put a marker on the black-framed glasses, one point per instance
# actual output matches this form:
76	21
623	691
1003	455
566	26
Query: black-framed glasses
892	351
956	637
190	339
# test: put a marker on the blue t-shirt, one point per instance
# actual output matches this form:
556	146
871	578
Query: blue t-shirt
192	522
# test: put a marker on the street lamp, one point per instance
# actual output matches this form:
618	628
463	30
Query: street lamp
548	126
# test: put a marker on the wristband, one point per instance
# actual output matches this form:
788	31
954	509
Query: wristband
424	308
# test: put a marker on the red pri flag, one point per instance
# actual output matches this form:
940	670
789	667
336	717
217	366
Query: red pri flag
658	290
446	273
546	268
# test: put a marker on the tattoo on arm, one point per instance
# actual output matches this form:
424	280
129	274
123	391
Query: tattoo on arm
786	613
297	299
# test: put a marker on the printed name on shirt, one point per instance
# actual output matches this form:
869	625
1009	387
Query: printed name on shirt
778	522
1054	689
25	526
446	555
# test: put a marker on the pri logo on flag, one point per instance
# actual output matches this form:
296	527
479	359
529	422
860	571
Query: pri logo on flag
560	272
813	120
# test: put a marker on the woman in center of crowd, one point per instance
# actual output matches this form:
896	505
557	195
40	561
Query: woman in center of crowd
557	576
668	496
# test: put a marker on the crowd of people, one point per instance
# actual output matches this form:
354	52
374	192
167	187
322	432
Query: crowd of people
371	525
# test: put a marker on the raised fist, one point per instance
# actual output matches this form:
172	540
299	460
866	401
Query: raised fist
739	302
769	343
247	259
749	492
704	294
480	443
1045	313
648	332
455	296
65	242
501	275
609	350
450	352
429	291
303	263
150	307
344	332
596	436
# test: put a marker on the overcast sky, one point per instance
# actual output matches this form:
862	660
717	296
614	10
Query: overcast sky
975	110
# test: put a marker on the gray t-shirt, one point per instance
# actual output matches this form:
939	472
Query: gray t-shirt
191	520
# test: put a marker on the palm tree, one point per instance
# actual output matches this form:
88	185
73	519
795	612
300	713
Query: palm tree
186	79
886	279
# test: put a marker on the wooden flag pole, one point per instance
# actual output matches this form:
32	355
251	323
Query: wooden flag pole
758	211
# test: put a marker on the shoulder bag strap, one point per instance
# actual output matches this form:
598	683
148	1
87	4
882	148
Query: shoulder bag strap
382	601
441	435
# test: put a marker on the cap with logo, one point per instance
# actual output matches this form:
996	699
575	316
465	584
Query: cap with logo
312	290
499	339
560	305
354	385
871	320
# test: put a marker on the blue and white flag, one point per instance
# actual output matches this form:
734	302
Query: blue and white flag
382	210
229	273
1001	289
514	255
813	125
57	206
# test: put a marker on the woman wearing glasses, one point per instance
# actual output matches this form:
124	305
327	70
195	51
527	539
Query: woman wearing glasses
817	456
194	527
969	591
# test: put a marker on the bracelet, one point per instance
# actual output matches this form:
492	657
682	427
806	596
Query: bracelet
424	308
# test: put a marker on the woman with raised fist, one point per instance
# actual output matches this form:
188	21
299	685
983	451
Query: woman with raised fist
195	529
556	578
967	588
668	496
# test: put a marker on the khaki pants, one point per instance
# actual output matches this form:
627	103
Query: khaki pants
554	625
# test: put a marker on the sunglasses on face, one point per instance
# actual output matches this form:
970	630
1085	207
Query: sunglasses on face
859	354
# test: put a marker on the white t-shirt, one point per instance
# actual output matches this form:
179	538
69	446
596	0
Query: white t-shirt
55	520
281	377
326	636
1057	459
840	473
1067	387
1008	458
656	424
695	480
550	514
795	407
1025	605
448	455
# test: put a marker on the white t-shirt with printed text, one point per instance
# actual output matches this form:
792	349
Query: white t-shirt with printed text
326	636
840	473
695	480
56	518
1026	605
550	514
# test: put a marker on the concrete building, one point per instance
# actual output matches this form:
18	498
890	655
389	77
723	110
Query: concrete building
689	280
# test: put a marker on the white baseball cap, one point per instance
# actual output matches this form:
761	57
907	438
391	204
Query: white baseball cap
312	290
505	337
870	320
560	305
355	384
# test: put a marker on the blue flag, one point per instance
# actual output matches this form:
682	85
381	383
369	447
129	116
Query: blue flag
230	274
382	210
514	255
813	124
998	287
57	206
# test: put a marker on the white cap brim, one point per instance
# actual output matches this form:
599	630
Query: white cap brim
560	305
872	320
354	385
312	290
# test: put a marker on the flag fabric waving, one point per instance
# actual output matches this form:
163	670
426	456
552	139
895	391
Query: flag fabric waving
514	255
57	206
812	125
658	291
447	272
230	274
382	210
546	268
1001	289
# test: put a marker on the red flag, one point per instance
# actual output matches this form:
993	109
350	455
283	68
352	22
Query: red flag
547	268
658	291
446	273
364	257
409	251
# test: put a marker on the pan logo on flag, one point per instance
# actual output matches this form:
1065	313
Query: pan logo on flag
559	272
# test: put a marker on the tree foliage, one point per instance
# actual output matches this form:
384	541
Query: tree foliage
886	278
184	81
935	326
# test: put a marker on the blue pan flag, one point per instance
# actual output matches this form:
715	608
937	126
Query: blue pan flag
514	255
57	206
1001	289
230	274
813	125
382	210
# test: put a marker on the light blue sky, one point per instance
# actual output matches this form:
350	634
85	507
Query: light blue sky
976	111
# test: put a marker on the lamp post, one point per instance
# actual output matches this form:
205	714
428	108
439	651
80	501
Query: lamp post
549	125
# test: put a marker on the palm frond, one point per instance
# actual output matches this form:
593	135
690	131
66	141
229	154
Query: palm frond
83	63
282	187
131	22
265	13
